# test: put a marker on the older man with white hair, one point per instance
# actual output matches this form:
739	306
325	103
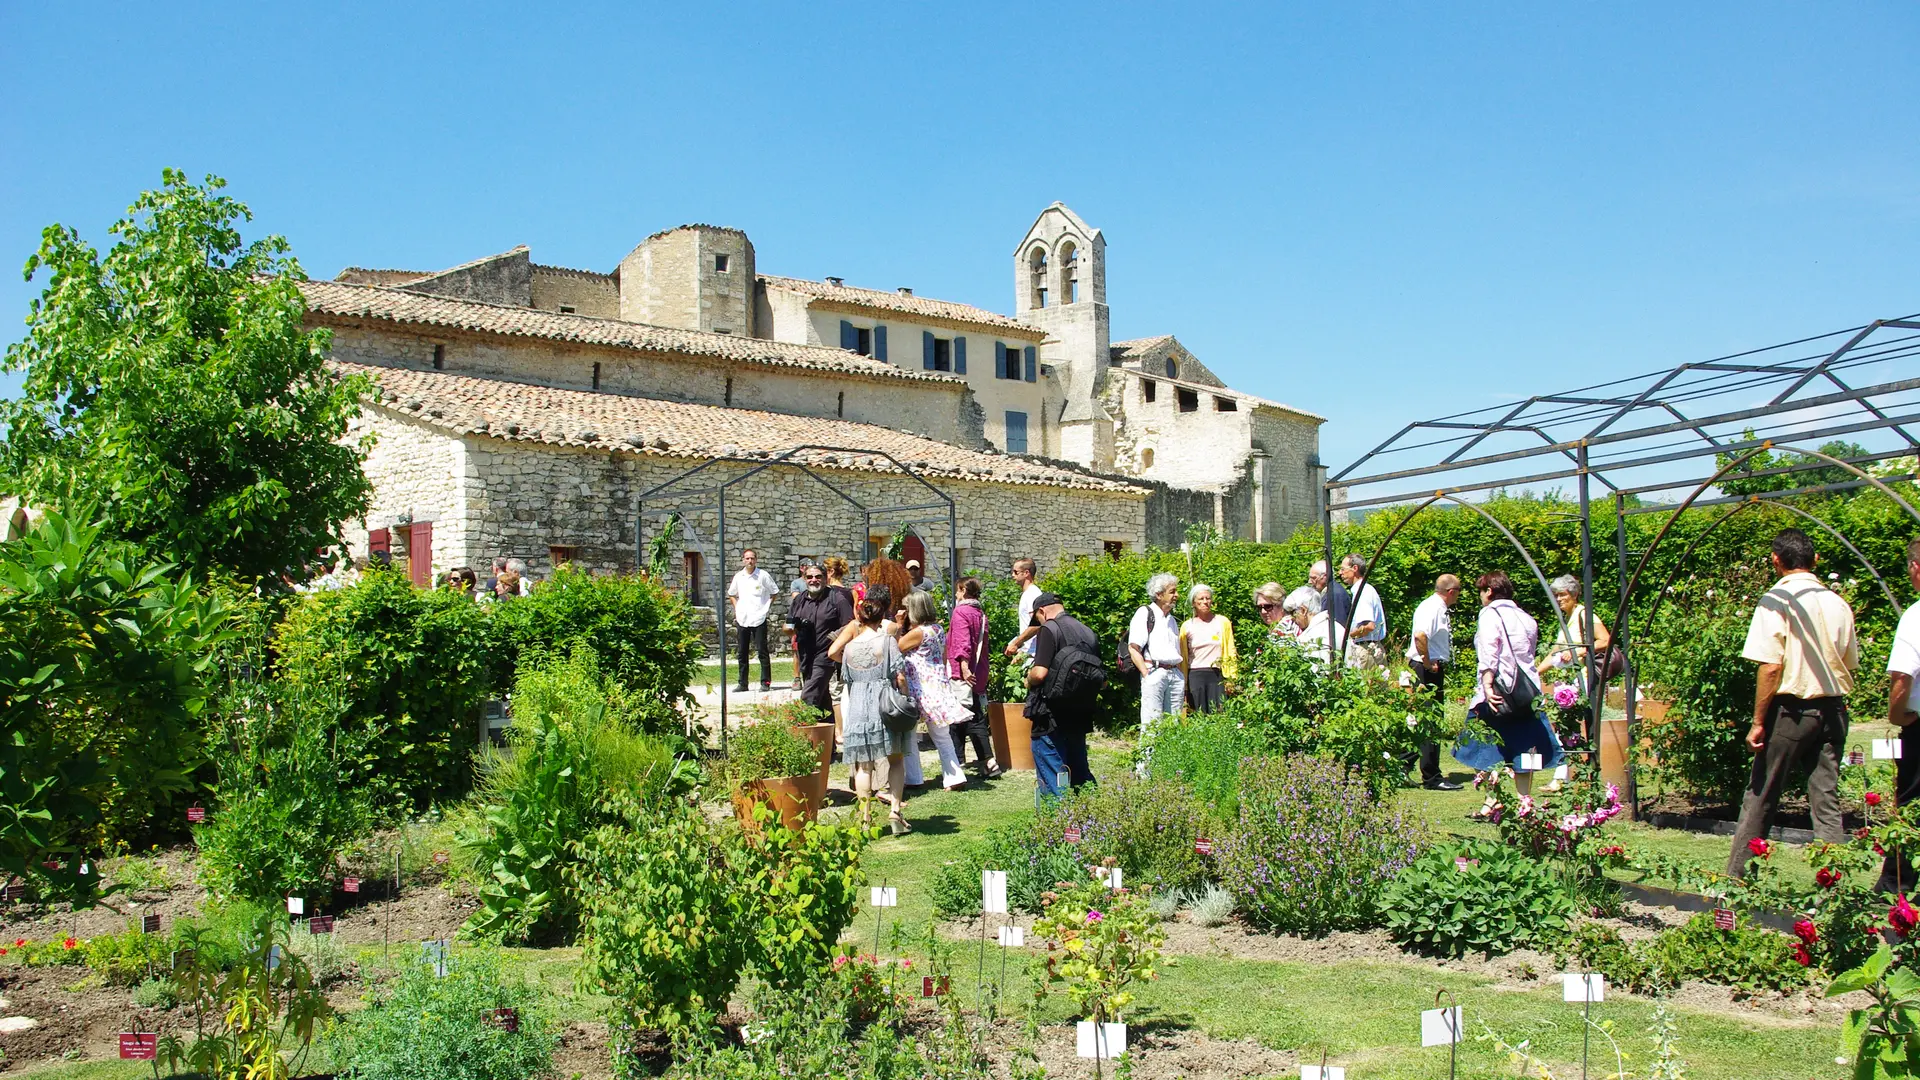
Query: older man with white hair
1153	644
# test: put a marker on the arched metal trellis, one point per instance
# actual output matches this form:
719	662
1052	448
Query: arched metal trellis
1636	435
670	500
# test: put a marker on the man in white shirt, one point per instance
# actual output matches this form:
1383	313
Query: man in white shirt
1429	652
1368	634
1153	644
1023	571
1802	637
1903	709
750	594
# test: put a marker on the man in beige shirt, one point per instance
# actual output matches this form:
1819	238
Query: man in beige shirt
1802	638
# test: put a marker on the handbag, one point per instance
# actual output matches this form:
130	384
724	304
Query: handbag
898	711
1519	695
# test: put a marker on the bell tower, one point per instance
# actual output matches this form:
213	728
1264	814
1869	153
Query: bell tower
1060	286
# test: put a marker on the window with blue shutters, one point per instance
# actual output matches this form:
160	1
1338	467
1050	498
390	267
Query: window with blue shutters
926	349
861	339
938	354
1016	433
1000	366
1032	361
959	356
848	338
880	343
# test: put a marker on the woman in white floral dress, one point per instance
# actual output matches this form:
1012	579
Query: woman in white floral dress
925	647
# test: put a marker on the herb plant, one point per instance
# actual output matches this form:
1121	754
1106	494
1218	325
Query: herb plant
1476	896
423	1027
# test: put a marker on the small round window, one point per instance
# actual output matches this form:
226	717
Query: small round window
1146	459
1173	369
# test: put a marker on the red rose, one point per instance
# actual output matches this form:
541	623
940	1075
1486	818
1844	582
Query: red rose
1873	798
1827	877
1760	847
1806	931
1862	833
1801	955
1901	917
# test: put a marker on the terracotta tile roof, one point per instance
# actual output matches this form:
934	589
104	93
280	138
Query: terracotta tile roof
334	299
1138	347
526	412
906	304
361	275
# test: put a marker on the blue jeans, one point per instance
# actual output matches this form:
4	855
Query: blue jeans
1047	767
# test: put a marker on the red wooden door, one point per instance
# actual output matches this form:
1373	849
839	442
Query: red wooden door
420	554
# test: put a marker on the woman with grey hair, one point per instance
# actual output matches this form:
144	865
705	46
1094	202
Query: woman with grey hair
1570	648
1153	644
1318	635
1206	642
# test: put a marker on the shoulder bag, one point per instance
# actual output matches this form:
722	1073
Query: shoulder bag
898	711
1521	692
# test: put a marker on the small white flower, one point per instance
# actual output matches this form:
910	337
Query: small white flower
1412	722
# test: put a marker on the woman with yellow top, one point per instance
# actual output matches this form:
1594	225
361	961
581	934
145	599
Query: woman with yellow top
1207	653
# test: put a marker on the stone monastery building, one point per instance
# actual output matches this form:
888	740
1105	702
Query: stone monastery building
522	409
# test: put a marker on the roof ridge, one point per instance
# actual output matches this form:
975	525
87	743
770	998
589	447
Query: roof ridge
471	263
929	306
572	270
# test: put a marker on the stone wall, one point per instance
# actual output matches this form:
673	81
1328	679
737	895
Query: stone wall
587	293
1292	444
673	279
418	475
506	278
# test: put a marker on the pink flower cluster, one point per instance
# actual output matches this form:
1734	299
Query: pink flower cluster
1566	695
1573	823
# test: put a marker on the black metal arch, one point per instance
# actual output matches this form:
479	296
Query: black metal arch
672	503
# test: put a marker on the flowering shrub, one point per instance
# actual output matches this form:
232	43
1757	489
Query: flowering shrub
1313	848
1100	942
1478	896
1204	751
862	981
422	1026
1567	713
1147	826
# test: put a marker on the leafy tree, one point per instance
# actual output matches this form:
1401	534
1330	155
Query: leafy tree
102	664
174	383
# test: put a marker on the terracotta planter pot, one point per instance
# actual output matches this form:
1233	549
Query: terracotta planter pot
821	736
789	796
1613	755
1012	735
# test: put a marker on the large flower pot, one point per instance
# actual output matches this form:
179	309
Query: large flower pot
821	736
789	796
1613	755
1012	735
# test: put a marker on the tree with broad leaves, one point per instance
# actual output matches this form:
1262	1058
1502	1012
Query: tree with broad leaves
173	385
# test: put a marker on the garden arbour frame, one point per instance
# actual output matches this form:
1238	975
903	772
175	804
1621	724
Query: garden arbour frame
669	501
1622	434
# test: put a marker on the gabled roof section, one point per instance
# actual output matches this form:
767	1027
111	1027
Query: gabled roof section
844	297
506	278
531	413
1079	223
334	300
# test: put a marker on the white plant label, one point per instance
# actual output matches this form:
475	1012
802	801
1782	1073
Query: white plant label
1440	1027
273	958
435	953
296	905
1886	749
993	891
885	896
1532	762
1315	1072
1107	1041
1108	876
1581	989
1013	937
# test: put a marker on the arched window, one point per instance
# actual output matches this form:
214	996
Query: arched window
1146	459
1069	273
1173	368
1037	273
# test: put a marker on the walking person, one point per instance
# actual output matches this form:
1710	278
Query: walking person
1802	637
889	576
1903	710
1206	641
818	615
1504	641
750	595
794	588
1023	572
967	667
1153	644
1368	634
1430	652
925	646
1062	644
870	661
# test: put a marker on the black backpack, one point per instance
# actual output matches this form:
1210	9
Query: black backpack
1123	660
1077	672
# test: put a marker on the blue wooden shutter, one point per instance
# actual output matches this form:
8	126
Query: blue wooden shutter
880	343
1033	364
1016	433
999	359
849	340
926	349
959	356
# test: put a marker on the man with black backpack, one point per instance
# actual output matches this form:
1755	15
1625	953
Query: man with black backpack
1063	682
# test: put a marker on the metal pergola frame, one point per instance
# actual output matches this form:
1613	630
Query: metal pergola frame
669	503
1632	434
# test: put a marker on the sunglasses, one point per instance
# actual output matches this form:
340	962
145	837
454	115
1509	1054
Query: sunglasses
1267	607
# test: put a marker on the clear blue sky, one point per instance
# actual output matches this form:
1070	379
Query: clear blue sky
1376	212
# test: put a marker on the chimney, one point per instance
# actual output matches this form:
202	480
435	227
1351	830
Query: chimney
837	282
904	291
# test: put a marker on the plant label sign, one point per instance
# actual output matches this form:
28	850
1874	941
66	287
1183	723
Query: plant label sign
1532	762
196	814
183	958
1440	1027
351	885
435	953
1856	757
149	924
1722	918
296	905
993	892
1202	846
1105	1041
1886	749
1073	834
507	1020
1583	989
1013	937
139	1045
320	924
16	890
440	858
1108	876
273	958
1318	1072
884	896
932	987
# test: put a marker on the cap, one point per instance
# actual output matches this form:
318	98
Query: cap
1045	599
913	564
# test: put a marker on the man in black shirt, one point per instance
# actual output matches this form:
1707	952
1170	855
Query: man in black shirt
1072	714
817	614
